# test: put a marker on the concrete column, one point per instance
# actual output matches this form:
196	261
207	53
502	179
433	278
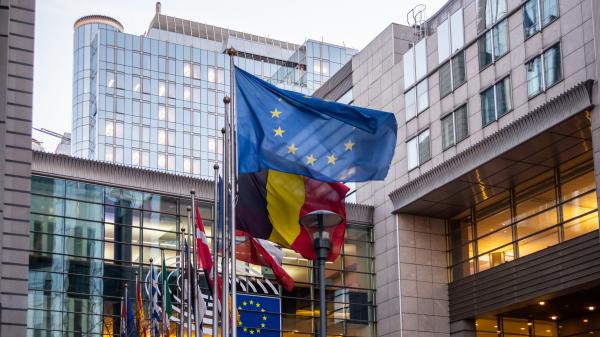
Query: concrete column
463	328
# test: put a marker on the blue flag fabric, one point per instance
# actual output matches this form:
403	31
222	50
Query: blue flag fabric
259	316
328	141
131	330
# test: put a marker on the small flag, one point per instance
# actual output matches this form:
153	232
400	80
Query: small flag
154	308
167	309
294	133
205	258
140	322
264	253
131	330
271	203
123	317
259	316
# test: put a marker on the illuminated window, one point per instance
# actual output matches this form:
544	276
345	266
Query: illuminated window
162	88
187	70
109	129
162	137
110	79
187	165
530	217
162	112
187	93
212	75
135	157
162	161
136	84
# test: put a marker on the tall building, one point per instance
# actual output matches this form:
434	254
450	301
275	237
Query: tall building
156	100
487	224
16	86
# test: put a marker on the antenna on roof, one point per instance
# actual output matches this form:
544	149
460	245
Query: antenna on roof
416	19
158	7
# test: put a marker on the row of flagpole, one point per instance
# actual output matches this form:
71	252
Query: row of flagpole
192	305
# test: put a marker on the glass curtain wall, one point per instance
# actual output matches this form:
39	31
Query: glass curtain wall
87	241
553	207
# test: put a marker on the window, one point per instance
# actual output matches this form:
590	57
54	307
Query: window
496	101
489	12
162	137
543	71
171	140
212	75
554	206
196	71
110	79
537	14
172	90
187	165
145	159
450	36
162	161
136	84
455	127
109	128
418	150
119	129
187	93
414	71
109	154
171	114
135	157
416	99
162	112
452	74
162	88
187	70
493	44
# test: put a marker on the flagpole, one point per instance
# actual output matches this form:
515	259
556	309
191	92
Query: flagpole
233	168
182	290
215	269
165	319
224	221
197	291
188	279
126	312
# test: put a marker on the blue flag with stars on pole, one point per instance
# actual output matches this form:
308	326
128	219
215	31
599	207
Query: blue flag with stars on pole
259	316
294	133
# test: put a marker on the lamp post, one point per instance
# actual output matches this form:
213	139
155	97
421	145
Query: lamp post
319	224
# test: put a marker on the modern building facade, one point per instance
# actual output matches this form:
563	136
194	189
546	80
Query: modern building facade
156	100
16	86
487	223
94	225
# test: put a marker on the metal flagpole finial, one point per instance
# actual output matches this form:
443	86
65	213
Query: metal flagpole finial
192	191
231	51
223	130
216	166
151	260
183	229
226	100
189	208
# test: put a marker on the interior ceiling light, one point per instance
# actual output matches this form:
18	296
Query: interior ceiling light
554	318
585	320
591	308
542	303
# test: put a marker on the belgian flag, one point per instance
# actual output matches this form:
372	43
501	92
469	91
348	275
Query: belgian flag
271	203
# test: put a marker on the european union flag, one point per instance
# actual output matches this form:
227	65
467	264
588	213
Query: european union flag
259	316
294	133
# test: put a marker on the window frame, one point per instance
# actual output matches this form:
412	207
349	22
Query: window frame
452	49
495	18
452	114
542	56
539	24
493	31
450	64
494	88
417	138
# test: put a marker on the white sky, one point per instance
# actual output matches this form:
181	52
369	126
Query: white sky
353	23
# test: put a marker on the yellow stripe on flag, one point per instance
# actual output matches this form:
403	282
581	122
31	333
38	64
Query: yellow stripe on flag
285	198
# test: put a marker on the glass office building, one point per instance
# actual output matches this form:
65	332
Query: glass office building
88	239
156	101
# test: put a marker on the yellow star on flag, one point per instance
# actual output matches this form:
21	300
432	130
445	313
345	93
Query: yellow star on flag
262	325
257	304
244	303
348	145
279	131
257	330
292	149
262	310
240	323
245	329
275	113
264	318
310	159
252	332
331	159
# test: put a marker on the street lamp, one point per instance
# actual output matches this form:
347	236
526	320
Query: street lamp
319	224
